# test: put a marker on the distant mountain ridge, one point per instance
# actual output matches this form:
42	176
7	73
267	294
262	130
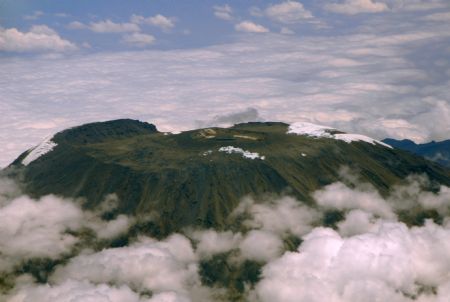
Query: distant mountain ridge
435	151
197	177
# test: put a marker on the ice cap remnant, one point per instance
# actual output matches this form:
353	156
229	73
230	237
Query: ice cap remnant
313	130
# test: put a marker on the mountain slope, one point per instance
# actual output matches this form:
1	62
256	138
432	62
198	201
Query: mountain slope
198	177
435	151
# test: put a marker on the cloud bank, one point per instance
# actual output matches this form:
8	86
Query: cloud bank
370	252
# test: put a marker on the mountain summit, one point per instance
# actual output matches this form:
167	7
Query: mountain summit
197	177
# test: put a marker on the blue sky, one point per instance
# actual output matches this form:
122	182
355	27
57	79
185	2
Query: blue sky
377	67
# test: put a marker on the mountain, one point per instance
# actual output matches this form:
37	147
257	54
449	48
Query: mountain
435	151
198	177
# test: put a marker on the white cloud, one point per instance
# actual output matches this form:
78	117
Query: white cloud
339	196
47	227
282	216
288	12
260	246
75	291
227	120
352	7
39	38
33	229
250	27
392	263
211	242
357	222
159	266
106	26
223	12
415	5
158	20
302	79
76	25
286	31
438	17
112	228
139	39
36	15
109	26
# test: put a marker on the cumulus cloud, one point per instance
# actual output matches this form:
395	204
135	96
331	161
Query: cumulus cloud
392	263
223	12
282	216
46	228
260	246
352	7
250	27
71	290
139	39
370	253
211	242
158	20
340	197
158	266
37	229
288	12
38	38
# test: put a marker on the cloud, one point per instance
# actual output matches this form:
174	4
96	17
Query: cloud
36	15
286	31
37	229
438	17
347	82
49	227
106	26
223	12
392	263
39	38
352	7
416	5
370	253
357	222
139	39
282	216
76	25
288	12
158	20
260	246
226	120
250	27
211	242
147	265
340	197
71	290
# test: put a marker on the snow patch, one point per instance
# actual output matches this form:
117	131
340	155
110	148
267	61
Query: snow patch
246	154
206	153
313	130
309	129
348	138
304	154
44	147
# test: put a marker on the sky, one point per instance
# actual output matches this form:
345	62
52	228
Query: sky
380	68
